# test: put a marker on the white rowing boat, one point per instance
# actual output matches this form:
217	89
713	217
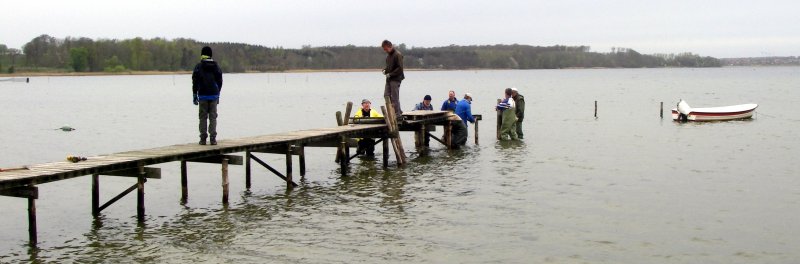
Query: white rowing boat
686	113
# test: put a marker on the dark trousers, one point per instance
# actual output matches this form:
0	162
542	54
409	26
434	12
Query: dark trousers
208	119
392	90
519	128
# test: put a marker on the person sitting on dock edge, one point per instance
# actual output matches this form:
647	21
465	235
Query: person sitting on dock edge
425	104
451	102
206	87
366	145
508	126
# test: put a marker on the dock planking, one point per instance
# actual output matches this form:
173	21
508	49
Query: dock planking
21	181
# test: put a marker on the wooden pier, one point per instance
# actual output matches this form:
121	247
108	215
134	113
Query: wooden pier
22	181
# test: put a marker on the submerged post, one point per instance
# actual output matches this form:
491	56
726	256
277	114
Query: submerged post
289	167
661	111
385	142
499	120
32	220
302	157
247	173
140	193
224	180
95	195
595	109
184	182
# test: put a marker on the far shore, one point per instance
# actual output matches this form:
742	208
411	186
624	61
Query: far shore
45	74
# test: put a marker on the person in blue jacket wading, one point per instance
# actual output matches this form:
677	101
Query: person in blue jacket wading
206	86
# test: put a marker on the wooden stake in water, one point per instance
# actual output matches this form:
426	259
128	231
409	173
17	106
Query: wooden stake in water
661	111
595	109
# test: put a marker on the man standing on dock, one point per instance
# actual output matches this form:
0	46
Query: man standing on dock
206	87
519	100
394	75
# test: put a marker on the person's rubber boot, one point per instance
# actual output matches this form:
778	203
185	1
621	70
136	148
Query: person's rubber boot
202	141
213	141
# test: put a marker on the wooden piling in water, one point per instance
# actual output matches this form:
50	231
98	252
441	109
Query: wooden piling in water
385	142
661	111
32	232
225	181
95	195
140	193
302	160
247	173
595	109
289	167
499	119
185	182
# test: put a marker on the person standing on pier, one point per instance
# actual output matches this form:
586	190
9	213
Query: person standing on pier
394	75
508	117
206	87
366	145
519	100
451	102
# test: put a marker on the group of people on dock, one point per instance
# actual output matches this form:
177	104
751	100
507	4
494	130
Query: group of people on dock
207	85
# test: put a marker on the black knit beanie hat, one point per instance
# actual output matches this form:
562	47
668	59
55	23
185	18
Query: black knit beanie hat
206	51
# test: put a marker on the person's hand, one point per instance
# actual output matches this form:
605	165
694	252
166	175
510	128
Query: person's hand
388	76
195	99
383	71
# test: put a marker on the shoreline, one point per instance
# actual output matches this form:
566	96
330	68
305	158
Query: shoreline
60	74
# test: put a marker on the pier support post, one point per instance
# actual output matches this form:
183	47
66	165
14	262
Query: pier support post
343	160
32	233
140	193
477	121
595	109
385	143
499	119
661	111
225	181
247	173
289	166
184	182
302	160
95	195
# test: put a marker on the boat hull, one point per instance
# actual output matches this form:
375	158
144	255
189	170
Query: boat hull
718	113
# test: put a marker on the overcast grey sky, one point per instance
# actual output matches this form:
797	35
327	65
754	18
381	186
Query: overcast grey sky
732	28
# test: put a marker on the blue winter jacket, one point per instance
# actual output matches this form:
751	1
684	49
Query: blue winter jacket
464	111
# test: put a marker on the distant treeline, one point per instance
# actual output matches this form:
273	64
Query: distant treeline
46	53
762	61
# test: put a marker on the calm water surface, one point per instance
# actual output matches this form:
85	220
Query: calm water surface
627	187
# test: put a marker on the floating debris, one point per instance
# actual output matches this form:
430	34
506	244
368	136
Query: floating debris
65	128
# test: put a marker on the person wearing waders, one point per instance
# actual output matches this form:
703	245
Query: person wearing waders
394	75
508	127
206	86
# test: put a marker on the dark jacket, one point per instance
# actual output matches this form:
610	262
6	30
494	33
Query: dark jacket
519	100
394	66
207	80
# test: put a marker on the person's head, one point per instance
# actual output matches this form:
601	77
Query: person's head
514	91
451	95
366	104
508	92
468	97
387	46
426	100
206	51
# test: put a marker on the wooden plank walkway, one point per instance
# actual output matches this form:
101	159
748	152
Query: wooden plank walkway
21	181
54	171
